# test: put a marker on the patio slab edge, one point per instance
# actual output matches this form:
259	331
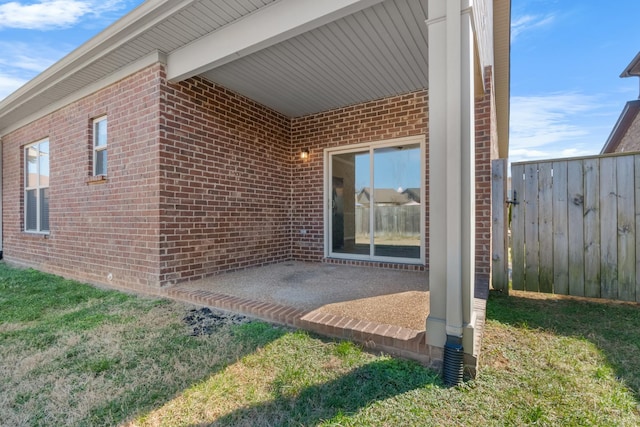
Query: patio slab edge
376	337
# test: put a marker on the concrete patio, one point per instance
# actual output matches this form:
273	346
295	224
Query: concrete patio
383	309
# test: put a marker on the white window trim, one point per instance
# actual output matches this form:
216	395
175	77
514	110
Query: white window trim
38	187
328	152
95	148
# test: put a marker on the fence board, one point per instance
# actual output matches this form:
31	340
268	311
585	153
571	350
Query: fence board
575	188
499	238
578	227
608	229
560	230
517	223
531	255
626	229
592	228
402	220
545	227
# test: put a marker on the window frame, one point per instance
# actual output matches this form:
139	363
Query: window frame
38	187
419	140
95	149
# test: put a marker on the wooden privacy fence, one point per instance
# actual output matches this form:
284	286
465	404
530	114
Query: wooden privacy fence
403	220
575	227
499	226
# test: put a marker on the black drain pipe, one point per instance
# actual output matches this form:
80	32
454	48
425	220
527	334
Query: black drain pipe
453	363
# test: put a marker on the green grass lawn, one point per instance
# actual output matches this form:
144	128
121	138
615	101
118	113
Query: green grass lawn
71	354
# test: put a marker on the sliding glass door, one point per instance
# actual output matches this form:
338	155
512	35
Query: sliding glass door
376	206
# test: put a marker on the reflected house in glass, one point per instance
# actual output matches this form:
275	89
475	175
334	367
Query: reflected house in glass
389	197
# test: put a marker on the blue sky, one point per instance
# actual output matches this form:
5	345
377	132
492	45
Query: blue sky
36	33
566	59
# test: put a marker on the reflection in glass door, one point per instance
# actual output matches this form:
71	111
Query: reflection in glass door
397	200
349	224
376	206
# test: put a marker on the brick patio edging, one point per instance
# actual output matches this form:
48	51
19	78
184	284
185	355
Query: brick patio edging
393	340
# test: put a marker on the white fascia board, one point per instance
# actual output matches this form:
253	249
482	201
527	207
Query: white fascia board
134	67
145	16
263	28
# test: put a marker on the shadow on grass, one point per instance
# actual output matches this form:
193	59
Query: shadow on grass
613	327
239	341
355	390
103	356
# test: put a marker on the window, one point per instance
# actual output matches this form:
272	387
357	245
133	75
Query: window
375	201
100	146
36	187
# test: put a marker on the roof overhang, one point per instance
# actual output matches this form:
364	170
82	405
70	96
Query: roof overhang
502	71
627	117
633	69
295	56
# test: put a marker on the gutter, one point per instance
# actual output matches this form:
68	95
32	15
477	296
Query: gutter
127	28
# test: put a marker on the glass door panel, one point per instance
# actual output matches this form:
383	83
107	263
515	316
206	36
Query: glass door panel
350	183
375	209
397	201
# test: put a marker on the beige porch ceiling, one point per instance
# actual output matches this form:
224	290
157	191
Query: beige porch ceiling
334	61
374	53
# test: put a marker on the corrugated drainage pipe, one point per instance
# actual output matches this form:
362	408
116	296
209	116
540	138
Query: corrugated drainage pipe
453	363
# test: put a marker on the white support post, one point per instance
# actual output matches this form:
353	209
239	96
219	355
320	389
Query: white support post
451	173
468	141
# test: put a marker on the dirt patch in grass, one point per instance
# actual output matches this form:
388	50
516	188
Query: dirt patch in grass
205	321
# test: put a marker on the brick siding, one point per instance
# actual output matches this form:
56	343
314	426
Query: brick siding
201	180
395	117
102	228
225	182
631	140
486	150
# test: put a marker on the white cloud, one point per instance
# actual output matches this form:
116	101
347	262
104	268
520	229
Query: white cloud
42	15
21	57
555	125
526	23
51	14
20	62
9	84
24	54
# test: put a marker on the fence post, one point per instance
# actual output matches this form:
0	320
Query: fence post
499	234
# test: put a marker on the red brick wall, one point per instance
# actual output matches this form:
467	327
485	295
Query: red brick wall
631	140
201	180
486	139
225	182
96	229
389	118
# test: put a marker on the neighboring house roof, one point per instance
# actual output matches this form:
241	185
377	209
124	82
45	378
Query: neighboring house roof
628	115
295	56
385	196
413	194
633	69
620	129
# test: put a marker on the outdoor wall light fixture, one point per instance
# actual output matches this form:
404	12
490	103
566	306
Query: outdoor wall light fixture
304	155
